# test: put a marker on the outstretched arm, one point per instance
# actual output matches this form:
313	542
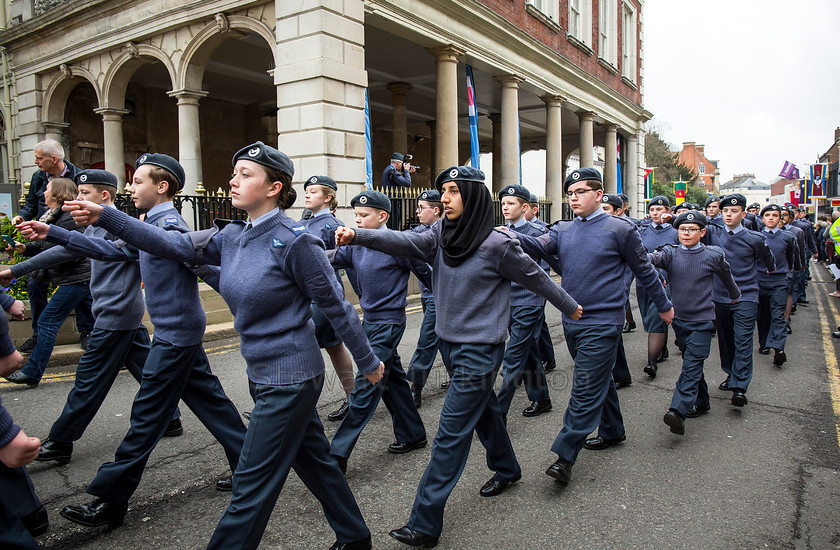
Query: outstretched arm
422	246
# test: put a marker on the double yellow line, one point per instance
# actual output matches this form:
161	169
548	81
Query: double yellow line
830	309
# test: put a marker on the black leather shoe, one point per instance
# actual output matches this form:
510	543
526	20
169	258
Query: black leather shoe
836	333
675	422
29	345
363	544
342	463
398	448
738	398
96	514
536	408
651	369
84	340
764	351
803	301
779	358
339	414
20	378
247	415
788	329
663	355
495	486
36	522
59	451
175	429
793	309
417	394
444	386
414	538
628	327
549	366
560	470
624	383
225	485
724	386
599	443
696	411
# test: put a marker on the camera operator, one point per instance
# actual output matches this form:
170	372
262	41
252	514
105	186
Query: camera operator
398	173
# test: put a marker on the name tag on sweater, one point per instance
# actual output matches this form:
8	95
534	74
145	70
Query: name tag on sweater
170	221
298	229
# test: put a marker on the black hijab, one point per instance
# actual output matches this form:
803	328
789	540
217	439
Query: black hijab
460	238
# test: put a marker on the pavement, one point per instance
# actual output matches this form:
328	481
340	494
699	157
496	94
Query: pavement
763	476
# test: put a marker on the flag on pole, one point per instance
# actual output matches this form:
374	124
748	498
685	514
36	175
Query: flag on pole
649	182
472	106
803	191
680	188
789	171
618	167
368	154
819	172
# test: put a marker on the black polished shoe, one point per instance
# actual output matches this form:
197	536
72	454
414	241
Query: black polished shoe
342	463
764	351
651	369
803	301
788	329
675	422
417	394
836	333
628	327
738	398
663	355
29	345
96	514
696	411
779	358
225	485
20	378
495	486
398	448
84	340
444	386
624	383
536	408
247	415
599	443
549	366
339	414
560	470
414	538
724	386
59	451
363	544
175	429
793	309
36	522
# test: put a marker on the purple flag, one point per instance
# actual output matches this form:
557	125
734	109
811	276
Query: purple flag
789	171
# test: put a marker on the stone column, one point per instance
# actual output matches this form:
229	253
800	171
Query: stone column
54	130
112	122
446	106
496	150
189	138
432	149
399	136
632	186
587	154
554	173
510	130
321	79
611	159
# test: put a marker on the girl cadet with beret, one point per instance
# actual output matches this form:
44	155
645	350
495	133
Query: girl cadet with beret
473	267
271	270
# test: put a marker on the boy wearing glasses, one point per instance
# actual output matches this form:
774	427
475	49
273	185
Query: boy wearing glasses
691	267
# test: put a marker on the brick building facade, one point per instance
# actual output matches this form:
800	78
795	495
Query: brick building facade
708	174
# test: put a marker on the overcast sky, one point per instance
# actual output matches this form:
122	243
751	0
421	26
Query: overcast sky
756	81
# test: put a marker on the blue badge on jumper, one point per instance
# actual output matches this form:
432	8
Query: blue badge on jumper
277	243
171	221
298	229
327	226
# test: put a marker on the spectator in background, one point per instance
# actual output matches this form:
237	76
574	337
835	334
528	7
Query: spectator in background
396	174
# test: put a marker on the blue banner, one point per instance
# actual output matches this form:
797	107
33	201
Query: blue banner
368	154
472	105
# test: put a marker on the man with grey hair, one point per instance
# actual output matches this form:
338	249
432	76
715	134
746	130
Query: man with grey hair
49	157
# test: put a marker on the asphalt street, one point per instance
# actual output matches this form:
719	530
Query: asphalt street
764	476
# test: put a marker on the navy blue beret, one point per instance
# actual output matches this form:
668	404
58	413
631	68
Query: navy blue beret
770	208
692	216
431	195
735	199
166	162
515	191
754	205
97	177
614	200
372	199
788	208
534	199
581	174
321	180
266	155
683	205
397	156
459	173
711	199
624	197
659	200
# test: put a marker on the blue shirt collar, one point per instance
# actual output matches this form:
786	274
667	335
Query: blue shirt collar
690	247
592	216
161	207
263	218
771	231
322	212
521	223
737	229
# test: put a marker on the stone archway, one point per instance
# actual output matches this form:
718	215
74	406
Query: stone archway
56	95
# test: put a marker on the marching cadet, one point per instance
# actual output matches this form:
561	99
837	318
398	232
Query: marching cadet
383	281
807	228
712	207
691	266
429	211
773	285
678	209
754	208
473	265
735	322
527	315
176	367
614	205
653	235
277	259
545	347
629	321
794	279
320	200
593	251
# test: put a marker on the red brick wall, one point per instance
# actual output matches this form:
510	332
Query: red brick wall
515	13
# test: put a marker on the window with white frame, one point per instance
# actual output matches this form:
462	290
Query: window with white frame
628	42
701	168
607	22
580	20
549	8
